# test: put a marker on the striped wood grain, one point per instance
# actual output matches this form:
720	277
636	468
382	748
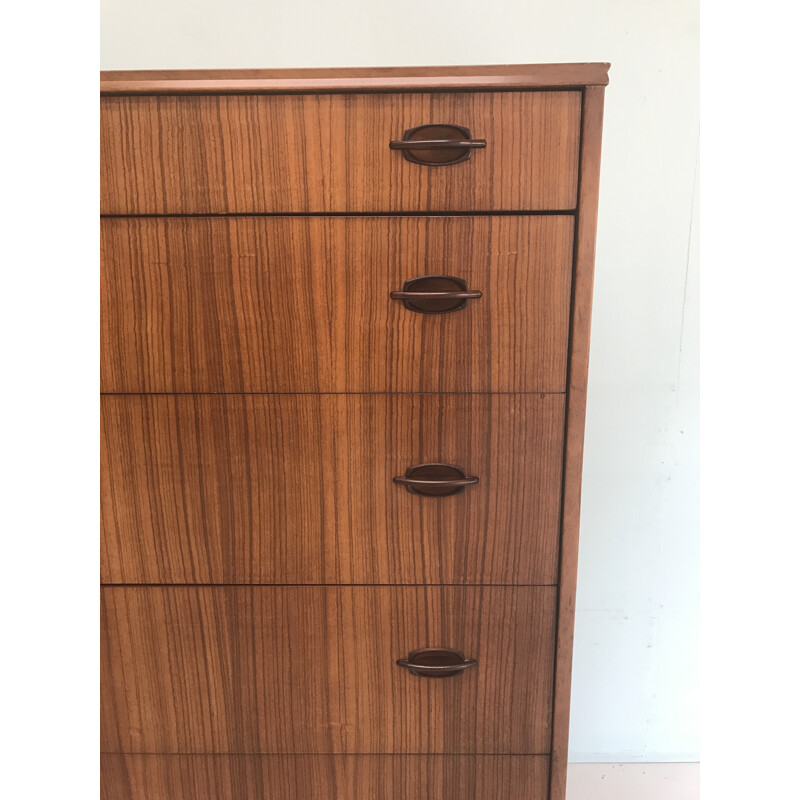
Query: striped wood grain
297	669
318	777
293	304
240	154
298	489
207	667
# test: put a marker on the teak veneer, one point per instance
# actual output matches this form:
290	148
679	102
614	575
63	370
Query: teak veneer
301	304
299	488
244	154
310	669
316	777
285	614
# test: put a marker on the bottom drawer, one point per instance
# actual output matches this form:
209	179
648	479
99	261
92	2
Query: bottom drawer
309	777
312	669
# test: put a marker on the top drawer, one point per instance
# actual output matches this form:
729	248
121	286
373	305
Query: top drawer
237	154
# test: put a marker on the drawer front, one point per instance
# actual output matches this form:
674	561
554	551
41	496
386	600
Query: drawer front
299	489
315	777
312	670
330	153
259	304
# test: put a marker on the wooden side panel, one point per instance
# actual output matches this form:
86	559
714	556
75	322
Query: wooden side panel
298	489
314	777
312	670
302	304
575	424
330	153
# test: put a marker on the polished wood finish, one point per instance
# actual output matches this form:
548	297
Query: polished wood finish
581	323
288	304
380	79
298	489
244	154
263	572
312	670
314	777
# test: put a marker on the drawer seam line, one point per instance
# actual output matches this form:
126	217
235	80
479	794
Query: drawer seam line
557	212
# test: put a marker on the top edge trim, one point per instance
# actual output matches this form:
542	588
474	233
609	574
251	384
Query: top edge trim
383	79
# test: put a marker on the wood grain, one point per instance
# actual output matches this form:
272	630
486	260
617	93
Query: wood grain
289	304
505	76
298	489
312	670
330	153
315	777
292	691
581	323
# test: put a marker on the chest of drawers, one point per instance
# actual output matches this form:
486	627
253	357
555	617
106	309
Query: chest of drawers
344	351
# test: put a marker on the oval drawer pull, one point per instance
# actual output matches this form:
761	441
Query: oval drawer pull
435	480
436	662
435	294
437	145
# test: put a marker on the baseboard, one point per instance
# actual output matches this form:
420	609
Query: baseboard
663	781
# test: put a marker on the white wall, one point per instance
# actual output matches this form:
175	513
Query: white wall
634	695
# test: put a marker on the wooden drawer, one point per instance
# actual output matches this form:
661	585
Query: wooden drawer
315	777
282	304
299	669
299	489
330	153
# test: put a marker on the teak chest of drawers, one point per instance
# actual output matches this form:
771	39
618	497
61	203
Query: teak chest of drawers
344	353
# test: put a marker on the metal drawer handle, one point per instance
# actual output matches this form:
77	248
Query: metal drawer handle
469	295
435	480
436	662
437	145
435	294
447	484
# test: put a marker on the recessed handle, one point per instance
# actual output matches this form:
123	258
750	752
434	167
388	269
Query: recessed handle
437	145
435	294
435	480
436	662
